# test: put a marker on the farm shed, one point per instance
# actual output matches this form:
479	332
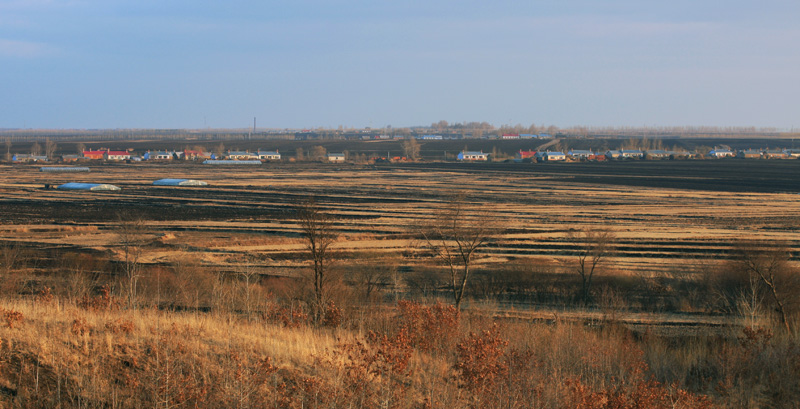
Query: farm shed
658	154
775	154
93	154
68	169
71	158
179	182
88	186
230	162
749	154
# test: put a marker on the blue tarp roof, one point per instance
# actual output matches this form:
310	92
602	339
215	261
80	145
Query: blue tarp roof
88	186
64	169
231	162
179	182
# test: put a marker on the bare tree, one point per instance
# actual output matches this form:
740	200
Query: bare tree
371	273
219	150
131	236
318	153
455	235
50	148
248	277
594	246
411	148
299	154
317	229
768	264
10	254
80	148
8	149
36	149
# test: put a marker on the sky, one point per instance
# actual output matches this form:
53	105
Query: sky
86	64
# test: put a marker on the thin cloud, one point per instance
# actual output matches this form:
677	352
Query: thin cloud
22	49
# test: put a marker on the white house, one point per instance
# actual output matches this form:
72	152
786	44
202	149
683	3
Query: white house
239	155
720	153
581	154
473	156
551	156
159	155
631	153
269	155
336	157
117	155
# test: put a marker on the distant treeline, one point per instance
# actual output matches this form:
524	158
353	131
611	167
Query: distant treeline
471	130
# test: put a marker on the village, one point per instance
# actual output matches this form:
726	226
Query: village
522	156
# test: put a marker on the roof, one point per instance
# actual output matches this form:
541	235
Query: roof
179	182
87	186
272	153
29	156
63	169
125	153
330	155
231	162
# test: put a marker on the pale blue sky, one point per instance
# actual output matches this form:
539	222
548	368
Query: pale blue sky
309	63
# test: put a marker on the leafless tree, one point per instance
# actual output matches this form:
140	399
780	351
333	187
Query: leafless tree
8	149
594	246
411	148
10	254
50	148
371	273
131	234
318	153
80	148
299	154
219	150
36	149
768	263
248	276
455	234
317	229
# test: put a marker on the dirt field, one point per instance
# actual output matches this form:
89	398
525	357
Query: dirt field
668	216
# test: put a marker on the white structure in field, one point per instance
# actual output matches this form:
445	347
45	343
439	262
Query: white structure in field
179	182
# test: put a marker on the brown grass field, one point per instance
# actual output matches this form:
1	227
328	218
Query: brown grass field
198	337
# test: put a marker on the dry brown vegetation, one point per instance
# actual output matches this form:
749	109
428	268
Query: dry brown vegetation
206	297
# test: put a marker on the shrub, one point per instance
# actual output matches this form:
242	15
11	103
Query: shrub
428	327
479	360
12	318
101	302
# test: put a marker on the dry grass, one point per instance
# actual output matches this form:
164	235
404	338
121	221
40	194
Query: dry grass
60	355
